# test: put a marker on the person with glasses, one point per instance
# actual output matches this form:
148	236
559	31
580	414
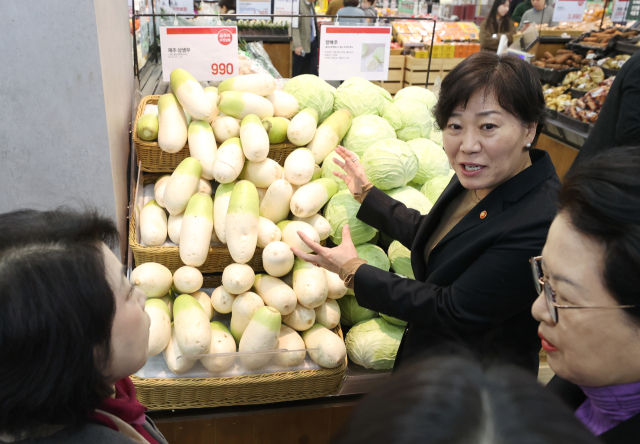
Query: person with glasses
589	304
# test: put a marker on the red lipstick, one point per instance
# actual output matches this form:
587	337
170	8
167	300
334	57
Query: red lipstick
546	345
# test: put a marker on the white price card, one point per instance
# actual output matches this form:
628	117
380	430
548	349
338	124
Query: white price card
262	7
619	11
348	51
284	7
206	52
177	6
569	11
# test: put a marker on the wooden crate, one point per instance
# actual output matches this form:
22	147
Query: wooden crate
395	75
449	64
396	61
419	64
391	87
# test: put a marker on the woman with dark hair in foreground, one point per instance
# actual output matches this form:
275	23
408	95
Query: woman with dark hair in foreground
72	330
589	305
457	401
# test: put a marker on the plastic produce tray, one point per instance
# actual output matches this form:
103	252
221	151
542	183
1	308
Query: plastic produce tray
553	76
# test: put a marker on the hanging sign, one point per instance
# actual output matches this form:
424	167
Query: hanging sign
633	11
355	51
284	7
206	52
177	6
619	11
569	11
262	7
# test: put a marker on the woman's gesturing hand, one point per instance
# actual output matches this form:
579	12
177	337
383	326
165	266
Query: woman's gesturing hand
329	258
354	177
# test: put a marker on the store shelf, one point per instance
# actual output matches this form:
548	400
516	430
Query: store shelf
266	38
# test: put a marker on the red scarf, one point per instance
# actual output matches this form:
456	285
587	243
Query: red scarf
126	407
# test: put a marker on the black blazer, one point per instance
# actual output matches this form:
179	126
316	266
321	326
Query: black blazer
476	287
618	123
627	432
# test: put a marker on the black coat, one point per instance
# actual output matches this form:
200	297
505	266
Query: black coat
627	432
476	289
618	123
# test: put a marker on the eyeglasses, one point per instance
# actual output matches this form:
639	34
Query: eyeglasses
550	295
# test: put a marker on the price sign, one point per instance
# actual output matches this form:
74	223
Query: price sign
262	7
177	6
619	11
355	51
206	52
633	12
569	11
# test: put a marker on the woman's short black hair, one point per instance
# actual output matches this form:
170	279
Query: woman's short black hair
601	196
455	400
229	4
56	314
352	3
513	82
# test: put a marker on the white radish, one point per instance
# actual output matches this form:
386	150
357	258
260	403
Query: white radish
277	259
240	104
204	186
289	339
238	278
225	128
321	225
212	94
309	284
153	279
158	189
229	161
267	232
262	174
160	326
328	314
168	299
331	351
290	234
221	342
174	357
205	302
260	84
303	127
260	335
172	129
310	198
275	293
243	309
192	325
301	318
182	184
174	225
147	128
241	224
261	193
153	224
276	202
220	207
254	138
187	280
195	232
202	146
330	133
284	105
299	167
190	94
337	289
222	300
276	128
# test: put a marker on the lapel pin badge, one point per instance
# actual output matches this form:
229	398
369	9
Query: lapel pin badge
483	215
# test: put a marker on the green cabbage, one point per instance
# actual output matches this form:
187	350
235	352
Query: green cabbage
412	198
361	97
351	313
329	166
374	343
392	320
432	160
374	255
436	135
410	118
417	93
342	210
312	92
400	258
365	131
434	187
389	164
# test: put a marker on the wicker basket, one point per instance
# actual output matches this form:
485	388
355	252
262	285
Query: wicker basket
154	160
189	393
217	259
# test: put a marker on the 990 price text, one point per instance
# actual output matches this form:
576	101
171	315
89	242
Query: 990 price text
221	68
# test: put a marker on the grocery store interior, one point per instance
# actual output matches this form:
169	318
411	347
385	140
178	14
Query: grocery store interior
326	221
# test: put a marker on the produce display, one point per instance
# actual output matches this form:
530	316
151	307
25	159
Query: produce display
601	39
232	194
586	79
587	108
563	59
615	62
374	343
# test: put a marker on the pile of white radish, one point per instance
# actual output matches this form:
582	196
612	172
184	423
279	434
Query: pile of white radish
267	314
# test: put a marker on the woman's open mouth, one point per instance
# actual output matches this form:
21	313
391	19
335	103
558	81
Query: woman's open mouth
546	345
471	169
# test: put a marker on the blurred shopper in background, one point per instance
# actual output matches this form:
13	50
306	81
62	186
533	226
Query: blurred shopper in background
350	9
589	303
539	14
520	9
305	41
369	8
495	25
457	401
334	6
227	6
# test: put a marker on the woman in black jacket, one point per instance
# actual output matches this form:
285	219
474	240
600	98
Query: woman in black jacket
589	304
470	253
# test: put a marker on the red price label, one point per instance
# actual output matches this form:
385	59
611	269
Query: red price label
224	37
221	68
